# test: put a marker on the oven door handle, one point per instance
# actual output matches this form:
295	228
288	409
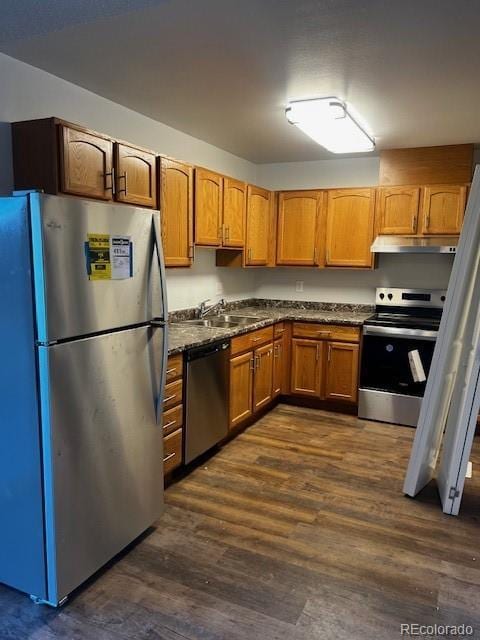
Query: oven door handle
401	332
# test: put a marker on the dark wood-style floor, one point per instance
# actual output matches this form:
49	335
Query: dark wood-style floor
297	529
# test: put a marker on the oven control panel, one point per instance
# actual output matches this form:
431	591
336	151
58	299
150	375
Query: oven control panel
395	297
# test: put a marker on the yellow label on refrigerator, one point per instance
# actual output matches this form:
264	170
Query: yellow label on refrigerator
100	266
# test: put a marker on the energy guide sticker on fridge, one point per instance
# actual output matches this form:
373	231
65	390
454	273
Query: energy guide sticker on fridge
99	265
121	254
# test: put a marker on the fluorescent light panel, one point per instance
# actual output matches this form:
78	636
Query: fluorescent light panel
328	122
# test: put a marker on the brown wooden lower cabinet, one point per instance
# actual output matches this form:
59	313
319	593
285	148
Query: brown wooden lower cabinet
341	375
263	377
172	423
172	451
325	364
307	367
241	386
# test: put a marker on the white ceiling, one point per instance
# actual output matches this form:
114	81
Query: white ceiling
223	70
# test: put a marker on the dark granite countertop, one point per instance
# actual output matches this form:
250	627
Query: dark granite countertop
184	336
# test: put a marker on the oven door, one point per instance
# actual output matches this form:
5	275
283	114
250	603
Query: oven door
386	364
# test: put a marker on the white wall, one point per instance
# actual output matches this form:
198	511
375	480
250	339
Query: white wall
346	172
188	287
335	285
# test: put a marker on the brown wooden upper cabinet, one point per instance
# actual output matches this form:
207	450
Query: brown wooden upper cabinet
176	205
220	205
208	208
259	227
135	174
299	227
86	164
443	208
397	210
350	227
59	157
234	211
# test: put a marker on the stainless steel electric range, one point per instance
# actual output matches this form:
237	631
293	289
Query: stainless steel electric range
398	344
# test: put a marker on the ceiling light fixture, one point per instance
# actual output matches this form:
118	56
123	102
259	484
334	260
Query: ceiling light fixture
330	124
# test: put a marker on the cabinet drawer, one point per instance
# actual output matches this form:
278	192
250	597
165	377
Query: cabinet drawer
279	329
175	367
172	419
251	340
172	451
173	394
326	331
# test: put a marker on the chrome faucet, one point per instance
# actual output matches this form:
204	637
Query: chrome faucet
203	310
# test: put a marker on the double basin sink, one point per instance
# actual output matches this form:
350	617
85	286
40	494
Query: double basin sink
223	321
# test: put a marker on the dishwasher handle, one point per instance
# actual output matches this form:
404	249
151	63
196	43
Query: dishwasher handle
206	350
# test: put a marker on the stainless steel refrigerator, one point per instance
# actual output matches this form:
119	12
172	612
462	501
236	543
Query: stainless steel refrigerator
83	348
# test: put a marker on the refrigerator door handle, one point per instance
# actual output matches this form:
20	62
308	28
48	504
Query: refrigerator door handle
161	323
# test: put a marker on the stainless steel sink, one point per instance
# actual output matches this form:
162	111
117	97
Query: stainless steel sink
223	321
210	322
238	319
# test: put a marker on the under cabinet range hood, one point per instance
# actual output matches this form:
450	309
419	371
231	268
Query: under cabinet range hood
411	244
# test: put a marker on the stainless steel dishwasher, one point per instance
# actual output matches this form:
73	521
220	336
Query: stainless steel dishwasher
206	420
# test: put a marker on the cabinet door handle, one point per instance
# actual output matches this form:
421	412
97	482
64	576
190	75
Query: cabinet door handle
170	398
427	220
317	355
171	371
169	457
112	186
249	255
315	255
227	233
257	362
124	178
329	352
256	339
169	424
190	252
252	364
276	351
325	334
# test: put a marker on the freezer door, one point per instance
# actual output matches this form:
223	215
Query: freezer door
68	303
102	448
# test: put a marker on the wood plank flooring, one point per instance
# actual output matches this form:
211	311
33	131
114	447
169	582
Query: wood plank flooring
296	530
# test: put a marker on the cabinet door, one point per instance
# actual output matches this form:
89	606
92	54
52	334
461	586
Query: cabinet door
234	211
176	206
135	176
279	364
263	379
307	356
341	380
350	226
443	209
208	208
298	228
397	210
86	164
258	226
241	388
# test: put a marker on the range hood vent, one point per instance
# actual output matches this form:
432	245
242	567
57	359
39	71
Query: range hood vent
409	244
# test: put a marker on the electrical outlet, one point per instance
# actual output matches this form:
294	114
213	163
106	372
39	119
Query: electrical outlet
299	285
